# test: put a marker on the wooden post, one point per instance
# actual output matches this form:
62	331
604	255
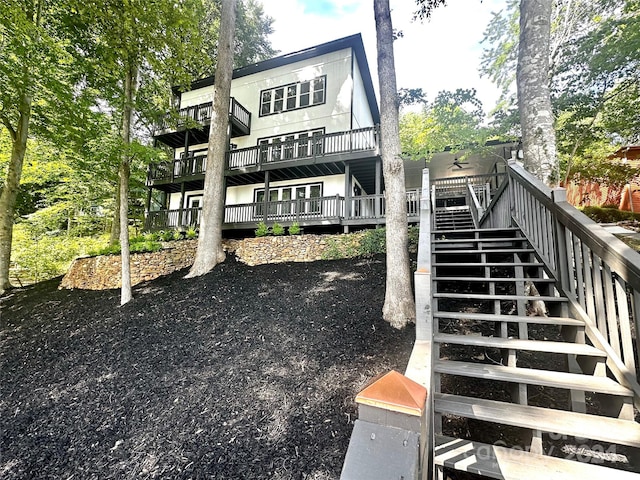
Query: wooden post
378	186
560	244
348	188
266	195
387	437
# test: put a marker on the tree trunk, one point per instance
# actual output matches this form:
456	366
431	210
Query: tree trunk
11	186
399	306
131	76
209	252
114	235
534	99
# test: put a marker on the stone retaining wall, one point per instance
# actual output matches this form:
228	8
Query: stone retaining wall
103	272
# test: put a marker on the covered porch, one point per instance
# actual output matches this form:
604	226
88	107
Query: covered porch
339	211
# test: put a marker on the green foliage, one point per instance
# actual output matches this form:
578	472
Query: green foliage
373	242
165	235
453	120
177	235
262	230
366	243
414	237
136	245
277	229
595	86
294	229
40	257
342	246
609	215
191	233
150	237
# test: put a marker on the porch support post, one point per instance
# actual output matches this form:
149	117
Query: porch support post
181	212
378	186
183	164
266	194
147	208
348	190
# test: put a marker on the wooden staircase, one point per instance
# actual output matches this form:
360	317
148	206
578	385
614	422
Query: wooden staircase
453	218
517	390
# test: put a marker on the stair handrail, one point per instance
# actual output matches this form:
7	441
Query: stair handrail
477	211
421	361
597	272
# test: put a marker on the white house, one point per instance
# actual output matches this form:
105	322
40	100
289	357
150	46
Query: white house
303	145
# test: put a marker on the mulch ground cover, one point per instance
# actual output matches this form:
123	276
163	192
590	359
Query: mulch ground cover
245	373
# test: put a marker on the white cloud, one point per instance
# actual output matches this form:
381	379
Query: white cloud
440	54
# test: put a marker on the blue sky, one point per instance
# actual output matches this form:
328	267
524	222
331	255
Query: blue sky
328	8
443	53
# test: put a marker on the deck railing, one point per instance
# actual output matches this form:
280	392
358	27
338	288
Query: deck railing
359	140
598	273
308	211
192	164
457	186
201	114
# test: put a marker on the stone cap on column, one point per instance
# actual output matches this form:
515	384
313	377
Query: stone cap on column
395	392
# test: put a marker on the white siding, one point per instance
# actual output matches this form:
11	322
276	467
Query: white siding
331	185
334	115
361	112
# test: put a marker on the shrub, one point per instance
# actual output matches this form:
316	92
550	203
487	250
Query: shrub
373	242
609	215
294	229
277	229
166	235
150	237
145	247
262	230
177	235
191	233
414	237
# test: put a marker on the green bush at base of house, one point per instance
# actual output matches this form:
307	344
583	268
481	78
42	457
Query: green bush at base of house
609	214
364	244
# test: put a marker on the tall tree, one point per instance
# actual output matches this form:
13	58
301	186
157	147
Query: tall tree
209	252
133	45
453	120
34	92
399	306
534	97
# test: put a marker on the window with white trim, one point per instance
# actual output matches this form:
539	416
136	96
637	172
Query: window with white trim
292	145
293	96
289	200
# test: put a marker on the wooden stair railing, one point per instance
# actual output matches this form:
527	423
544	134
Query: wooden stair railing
513	395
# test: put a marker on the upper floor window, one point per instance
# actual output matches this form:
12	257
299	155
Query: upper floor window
293	96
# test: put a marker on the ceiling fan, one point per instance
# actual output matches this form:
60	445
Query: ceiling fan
458	164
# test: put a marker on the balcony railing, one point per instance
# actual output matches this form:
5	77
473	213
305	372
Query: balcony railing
201	114
305	211
352	141
194	164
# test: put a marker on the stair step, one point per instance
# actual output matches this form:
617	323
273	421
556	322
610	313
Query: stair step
492	250
594	427
519	344
509	464
490	317
483	296
479	240
488	264
546	378
494	279
480	231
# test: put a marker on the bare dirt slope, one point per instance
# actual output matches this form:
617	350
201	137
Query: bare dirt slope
245	373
